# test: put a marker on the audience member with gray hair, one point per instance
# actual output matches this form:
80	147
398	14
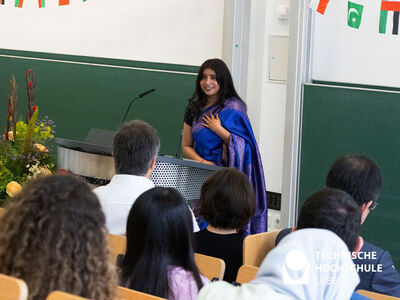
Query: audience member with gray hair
135	149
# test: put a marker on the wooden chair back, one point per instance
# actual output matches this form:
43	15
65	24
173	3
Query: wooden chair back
257	246
246	273
12	288
116	244
127	294
58	295
376	296
2	211
210	267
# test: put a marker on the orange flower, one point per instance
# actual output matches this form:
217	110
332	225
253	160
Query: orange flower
13	188
10	136
40	148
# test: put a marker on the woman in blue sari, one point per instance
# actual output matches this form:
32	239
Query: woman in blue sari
217	131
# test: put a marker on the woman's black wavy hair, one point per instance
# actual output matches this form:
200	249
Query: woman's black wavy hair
224	79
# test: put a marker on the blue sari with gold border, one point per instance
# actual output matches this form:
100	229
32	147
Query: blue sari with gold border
241	153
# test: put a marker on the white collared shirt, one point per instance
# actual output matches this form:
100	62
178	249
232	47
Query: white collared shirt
117	198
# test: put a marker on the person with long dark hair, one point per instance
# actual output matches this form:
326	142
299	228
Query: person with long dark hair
159	258
217	131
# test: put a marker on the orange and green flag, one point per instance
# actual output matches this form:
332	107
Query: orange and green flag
19	3
63	2
41	3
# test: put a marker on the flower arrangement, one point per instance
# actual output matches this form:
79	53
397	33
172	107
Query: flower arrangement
27	148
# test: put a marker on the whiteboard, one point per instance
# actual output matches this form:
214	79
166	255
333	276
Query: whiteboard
359	56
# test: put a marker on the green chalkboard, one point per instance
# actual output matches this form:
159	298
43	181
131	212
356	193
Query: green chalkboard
80	93
342	120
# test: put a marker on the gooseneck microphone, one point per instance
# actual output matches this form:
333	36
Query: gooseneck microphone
133	100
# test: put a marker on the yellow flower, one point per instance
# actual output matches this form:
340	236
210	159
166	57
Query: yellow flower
10	135
13	188
40	148
44	171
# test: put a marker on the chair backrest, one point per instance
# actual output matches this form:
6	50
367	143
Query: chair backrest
246	273
12	288
58	295
127	294
210	267
116	244
2	211
376	296
257	246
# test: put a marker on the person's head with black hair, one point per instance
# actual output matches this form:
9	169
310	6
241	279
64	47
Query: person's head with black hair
359	176
227	199
159	235
335	210
135	149
220	82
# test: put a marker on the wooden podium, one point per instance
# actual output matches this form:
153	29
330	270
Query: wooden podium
96	164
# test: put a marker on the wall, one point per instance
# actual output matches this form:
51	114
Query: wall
266	99
102	53
152	30
173	31
361	56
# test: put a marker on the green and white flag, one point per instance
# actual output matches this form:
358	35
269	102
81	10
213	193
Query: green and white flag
354	14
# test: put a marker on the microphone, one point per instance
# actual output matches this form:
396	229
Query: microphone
133	100
145	93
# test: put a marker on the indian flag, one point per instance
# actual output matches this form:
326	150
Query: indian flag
319	5
41	3
63	2
19	3
389	17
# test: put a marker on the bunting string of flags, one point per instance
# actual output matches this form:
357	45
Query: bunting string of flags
319	5
20	3
389	16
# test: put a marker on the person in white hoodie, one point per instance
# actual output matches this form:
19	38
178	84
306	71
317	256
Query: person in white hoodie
310	264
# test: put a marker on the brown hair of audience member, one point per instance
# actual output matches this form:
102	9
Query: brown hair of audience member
53	237
227	199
